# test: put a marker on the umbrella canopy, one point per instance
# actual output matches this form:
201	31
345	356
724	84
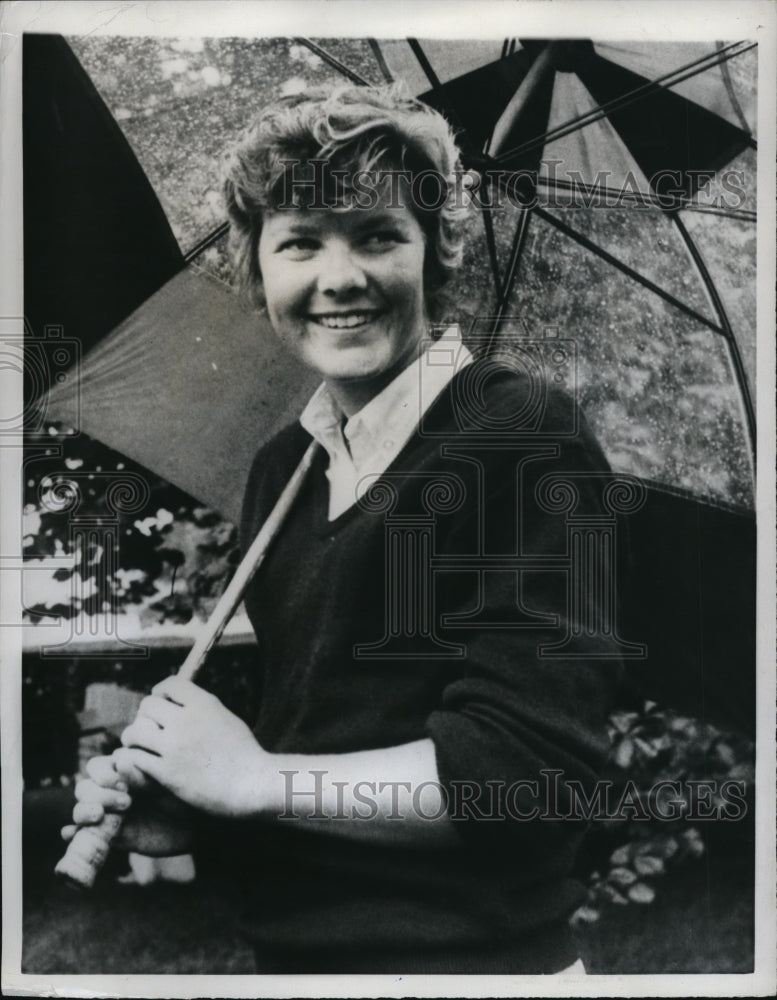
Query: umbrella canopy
615	214
629	278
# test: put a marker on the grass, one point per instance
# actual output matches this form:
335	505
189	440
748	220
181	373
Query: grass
701	921
162	928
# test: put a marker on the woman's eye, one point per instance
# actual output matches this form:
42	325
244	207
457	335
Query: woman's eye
382	238
299	245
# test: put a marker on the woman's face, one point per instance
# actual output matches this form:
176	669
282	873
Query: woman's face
345	291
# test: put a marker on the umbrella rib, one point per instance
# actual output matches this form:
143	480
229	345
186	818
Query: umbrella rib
726	328
488	225
380	59
596	114
519	241
625	269
332	61
206	242
728	213
445	107
426	66
732	94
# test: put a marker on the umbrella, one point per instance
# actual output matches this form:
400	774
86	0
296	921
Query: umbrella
663	354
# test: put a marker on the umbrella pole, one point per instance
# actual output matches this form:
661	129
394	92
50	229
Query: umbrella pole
89	848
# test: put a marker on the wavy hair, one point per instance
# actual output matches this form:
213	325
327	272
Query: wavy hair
353	130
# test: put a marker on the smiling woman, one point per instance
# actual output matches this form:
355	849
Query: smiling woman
345	293
430	699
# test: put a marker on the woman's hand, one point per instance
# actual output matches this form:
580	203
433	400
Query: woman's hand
155	823
186	740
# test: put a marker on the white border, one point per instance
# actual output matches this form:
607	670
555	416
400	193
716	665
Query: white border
675	20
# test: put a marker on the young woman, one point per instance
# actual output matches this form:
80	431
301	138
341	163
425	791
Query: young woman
402	802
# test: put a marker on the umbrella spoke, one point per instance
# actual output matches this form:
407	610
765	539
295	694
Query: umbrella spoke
425	65
737	107
519	241
488	225
629	271
332	61
207	241
379	58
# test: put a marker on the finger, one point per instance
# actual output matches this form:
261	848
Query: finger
68	832
108	798
87	813
126	762
139	762
159	710
87	791
102	771
151	765
143	734
180	691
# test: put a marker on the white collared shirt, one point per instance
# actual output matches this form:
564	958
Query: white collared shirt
371	439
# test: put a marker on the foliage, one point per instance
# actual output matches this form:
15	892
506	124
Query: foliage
656	745
167	561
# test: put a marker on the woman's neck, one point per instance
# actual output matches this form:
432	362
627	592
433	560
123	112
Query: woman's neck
352	395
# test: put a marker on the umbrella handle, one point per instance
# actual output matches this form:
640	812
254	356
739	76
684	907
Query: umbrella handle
89	848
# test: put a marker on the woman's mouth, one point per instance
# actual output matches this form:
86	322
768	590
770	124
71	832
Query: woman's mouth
345	320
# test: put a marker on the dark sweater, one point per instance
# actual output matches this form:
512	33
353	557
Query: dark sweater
500	902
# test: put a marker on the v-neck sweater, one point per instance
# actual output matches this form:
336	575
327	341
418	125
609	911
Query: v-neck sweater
500	713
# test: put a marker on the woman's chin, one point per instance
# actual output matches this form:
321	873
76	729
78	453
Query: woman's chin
349	366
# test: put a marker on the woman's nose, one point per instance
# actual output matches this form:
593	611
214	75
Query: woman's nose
340	271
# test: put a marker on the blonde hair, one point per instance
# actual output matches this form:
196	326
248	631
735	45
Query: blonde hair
355	130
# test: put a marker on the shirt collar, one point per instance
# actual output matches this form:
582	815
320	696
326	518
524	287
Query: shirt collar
388	420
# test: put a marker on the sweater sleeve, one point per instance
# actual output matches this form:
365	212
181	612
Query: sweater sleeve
517	729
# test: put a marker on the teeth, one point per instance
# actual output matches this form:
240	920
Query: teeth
344	322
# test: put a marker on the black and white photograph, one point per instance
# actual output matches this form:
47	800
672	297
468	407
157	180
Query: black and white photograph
387	464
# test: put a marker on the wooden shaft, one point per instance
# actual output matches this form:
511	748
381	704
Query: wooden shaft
88	850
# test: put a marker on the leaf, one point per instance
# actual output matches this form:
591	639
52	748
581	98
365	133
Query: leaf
645	747
647	864
622	876
621	855
623	721
586	915
614	895
692	842
624	754
641	893
696	848
669	847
